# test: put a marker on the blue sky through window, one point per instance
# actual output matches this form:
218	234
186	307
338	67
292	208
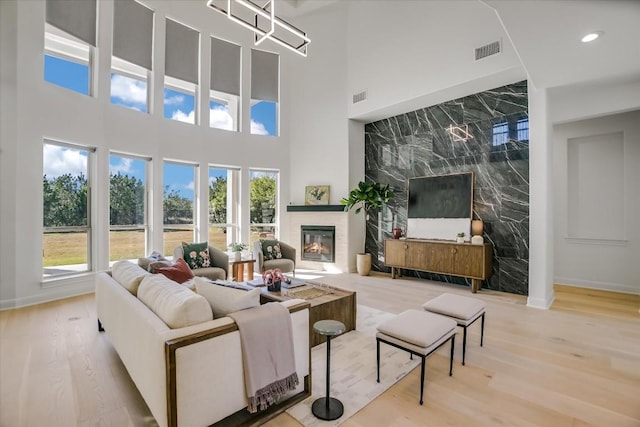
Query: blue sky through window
68	74
263	118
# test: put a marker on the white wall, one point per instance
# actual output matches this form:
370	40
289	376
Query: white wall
609	262
33	109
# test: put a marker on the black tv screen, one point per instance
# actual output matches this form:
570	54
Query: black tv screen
444	196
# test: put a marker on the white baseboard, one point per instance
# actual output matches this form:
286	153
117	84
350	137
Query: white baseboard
540	303
46	297
602	286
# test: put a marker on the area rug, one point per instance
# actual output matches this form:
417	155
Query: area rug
353	369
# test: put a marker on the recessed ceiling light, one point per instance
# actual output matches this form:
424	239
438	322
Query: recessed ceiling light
591	37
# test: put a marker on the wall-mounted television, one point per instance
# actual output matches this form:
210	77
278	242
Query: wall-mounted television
440	207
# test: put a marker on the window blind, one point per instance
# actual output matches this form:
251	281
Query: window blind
133	32
225	66
77	18
264	75
181	52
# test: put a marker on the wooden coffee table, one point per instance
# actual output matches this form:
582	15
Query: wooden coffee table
327	303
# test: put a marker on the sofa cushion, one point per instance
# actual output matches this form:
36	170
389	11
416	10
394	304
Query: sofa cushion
128	275
178	272
271	250
154	257
196	254
225	300
175	304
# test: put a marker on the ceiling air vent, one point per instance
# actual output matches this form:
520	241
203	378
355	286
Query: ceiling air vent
360	96
487	50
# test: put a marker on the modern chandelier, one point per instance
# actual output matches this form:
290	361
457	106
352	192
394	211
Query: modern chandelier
262	20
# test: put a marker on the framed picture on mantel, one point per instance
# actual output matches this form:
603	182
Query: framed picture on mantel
316	195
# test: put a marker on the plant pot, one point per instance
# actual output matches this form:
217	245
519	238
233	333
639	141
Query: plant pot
274	287
459	239
363	264
237	256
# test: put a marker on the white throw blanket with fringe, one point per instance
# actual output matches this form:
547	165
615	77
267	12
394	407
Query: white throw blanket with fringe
266	336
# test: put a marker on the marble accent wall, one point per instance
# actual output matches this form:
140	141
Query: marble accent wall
418	144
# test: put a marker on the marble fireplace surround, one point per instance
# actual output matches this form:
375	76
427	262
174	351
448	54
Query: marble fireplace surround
417	144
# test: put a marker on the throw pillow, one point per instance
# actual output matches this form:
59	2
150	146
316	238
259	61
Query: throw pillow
225	300
154	266
178	272
271	250
154	257
196	254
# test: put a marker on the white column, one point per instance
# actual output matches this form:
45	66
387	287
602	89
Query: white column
540	201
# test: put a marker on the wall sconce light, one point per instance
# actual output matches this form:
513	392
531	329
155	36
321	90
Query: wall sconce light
459	133
264	23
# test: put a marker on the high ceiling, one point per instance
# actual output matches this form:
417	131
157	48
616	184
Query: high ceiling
546	36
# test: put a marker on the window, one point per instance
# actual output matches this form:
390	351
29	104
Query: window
263	202
224	207
178	204
225	85
69	40
265	71
522	128
500	133
182	50
66	209
131	62
128	219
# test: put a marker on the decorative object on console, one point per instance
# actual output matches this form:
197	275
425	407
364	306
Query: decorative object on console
397	232
477	227
460	238
237	248
477	240
367	196
316	195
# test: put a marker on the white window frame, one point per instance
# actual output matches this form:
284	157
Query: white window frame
132	71
186	88
64	46
194	225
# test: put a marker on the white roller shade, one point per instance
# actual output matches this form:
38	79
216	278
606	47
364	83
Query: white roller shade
264	75
76	17
225	66
181	52
133	32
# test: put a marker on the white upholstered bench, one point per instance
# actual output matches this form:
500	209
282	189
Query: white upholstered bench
417	332
464	310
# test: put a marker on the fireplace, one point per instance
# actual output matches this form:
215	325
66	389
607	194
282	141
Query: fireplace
318	243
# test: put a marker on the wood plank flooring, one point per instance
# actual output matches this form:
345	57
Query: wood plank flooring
577	364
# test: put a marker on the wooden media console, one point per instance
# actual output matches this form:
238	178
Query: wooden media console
443	257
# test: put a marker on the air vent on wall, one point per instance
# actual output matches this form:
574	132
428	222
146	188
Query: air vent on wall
488	50
360	96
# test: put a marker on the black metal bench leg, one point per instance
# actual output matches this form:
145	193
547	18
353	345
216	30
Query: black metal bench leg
378	357
453	343
482	330
464	344
100	328
422	379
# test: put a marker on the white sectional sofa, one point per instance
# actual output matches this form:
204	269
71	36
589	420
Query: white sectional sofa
190	375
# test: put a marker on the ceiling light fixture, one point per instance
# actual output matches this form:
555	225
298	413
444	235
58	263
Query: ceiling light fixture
591	37
292	38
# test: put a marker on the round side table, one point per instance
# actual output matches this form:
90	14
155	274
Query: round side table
328	408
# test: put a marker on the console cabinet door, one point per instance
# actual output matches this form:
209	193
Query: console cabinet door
468	261
395	253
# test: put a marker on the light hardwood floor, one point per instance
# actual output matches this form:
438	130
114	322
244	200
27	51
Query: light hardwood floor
577	364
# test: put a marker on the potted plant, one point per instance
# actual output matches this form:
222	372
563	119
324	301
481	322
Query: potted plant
367	196
460	237
237	248
273	279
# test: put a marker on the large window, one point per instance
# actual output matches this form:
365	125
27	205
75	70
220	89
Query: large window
224	85
182	53
131	63
66	209
69	41
500	133
263	201
223	207
265	72
128	223
178	204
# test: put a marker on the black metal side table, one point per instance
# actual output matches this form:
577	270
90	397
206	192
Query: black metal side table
328	408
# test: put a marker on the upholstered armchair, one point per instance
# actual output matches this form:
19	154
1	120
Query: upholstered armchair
287	263
219	268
